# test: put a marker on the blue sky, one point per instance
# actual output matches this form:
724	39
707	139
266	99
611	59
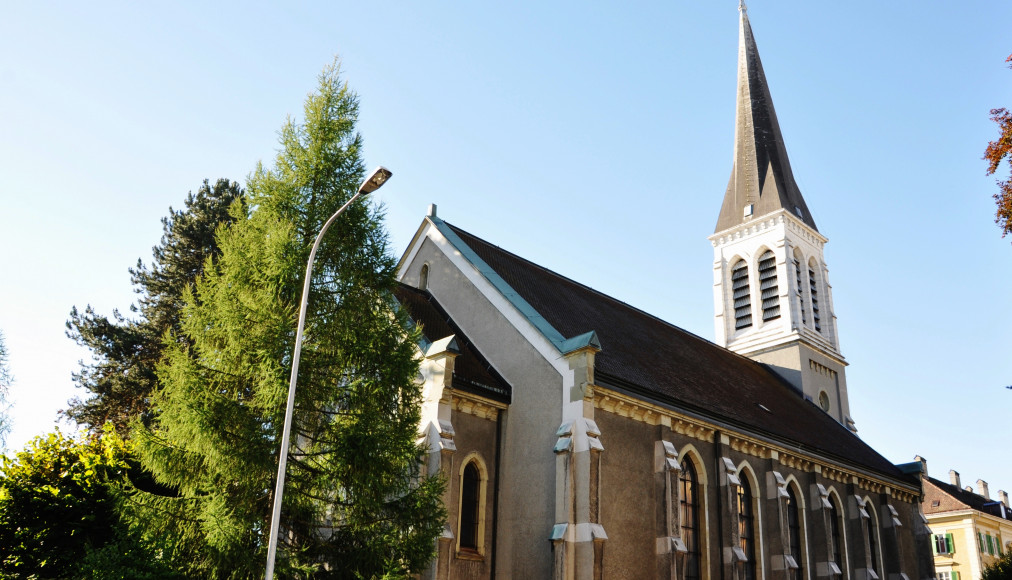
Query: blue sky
592	138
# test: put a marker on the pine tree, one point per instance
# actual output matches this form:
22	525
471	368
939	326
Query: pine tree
355	503
126	351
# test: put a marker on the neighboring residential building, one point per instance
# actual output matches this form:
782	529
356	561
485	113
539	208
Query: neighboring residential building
969	529
582	438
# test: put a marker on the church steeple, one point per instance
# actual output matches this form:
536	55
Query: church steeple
772	298
761	179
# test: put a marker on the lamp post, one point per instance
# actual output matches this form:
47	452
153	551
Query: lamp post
374	181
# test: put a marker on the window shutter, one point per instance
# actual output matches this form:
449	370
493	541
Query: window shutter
990	545
954	575
950	546
768	287
934	544
740	293
980	540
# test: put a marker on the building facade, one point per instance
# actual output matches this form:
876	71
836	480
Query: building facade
969	529
582	438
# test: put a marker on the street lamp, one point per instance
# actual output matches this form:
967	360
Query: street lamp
374	181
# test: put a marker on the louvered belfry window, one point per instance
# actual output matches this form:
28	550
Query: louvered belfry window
768	287
740	294
801	296
813	291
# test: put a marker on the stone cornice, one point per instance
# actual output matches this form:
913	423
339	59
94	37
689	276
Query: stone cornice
766	223
653	414
472	404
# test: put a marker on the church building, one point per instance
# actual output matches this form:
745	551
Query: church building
581	438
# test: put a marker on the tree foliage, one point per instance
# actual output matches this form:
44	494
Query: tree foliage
1001	569
997	151
355	503
126	351
58	512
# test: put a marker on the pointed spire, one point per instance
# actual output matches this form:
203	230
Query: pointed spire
761	179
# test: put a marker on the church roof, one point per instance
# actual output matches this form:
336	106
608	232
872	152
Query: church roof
653	359
471	370
951	498
761	176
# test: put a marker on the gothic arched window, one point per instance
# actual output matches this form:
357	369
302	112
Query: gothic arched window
873	543
794	533
690	518
799	287
834	535
470	507
769	288
813	292
746	526
740	293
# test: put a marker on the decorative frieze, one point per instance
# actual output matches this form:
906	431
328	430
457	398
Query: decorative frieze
474	405
644	412
651	414
795	462
750	447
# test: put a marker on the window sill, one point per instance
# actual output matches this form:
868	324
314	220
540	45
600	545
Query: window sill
470	554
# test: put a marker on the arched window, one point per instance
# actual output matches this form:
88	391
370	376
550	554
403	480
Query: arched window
690	518
800	287
794	533
740	294
746	526
470	500
813	292
769	288
835	539
872	540
423	278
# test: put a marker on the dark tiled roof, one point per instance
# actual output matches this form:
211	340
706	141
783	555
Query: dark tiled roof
951	498
761	174
471	371
657	360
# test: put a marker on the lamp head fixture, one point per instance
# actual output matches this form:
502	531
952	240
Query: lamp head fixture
375	180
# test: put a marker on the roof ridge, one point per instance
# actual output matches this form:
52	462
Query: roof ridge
582	285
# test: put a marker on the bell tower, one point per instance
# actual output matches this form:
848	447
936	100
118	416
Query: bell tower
772	298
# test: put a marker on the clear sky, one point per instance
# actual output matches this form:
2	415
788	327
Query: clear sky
593	138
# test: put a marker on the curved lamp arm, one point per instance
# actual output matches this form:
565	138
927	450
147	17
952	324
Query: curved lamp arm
374	181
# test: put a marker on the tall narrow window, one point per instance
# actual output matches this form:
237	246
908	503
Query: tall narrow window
690	518
800	288
746	523
769	289
794	532
470	498
423	278
873	545
813	291
834	535
740	295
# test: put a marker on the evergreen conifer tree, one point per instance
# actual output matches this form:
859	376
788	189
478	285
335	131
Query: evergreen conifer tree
126	351
355	502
